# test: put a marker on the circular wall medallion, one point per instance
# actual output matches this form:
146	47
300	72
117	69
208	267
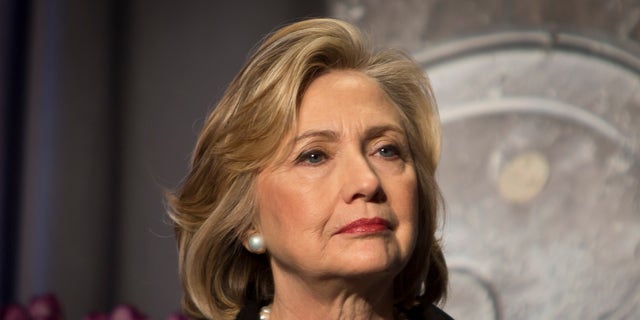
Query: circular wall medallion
523	177
541	174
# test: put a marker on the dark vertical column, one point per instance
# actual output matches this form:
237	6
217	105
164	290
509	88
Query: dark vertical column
13	51
119	21
39	152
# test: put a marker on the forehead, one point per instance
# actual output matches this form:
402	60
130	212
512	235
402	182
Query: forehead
339	101
345	97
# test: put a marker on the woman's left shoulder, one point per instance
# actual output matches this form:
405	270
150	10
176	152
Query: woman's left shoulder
436	313
427	312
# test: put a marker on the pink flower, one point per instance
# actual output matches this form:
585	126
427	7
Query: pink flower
45	307
13	312
126	312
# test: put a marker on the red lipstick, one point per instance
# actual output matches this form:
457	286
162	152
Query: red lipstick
366	225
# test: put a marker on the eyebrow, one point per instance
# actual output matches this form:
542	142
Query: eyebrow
370	133
378	131
326	134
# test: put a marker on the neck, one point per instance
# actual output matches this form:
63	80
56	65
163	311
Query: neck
352	308
354	299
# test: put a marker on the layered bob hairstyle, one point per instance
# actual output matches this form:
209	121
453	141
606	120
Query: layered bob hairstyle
215	206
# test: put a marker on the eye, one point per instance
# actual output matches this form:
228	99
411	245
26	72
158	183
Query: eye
312	157
389	151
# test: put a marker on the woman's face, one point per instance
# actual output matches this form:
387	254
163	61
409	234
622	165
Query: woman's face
343	201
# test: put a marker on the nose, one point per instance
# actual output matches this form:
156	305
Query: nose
360	180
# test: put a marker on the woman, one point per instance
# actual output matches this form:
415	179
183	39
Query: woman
311	193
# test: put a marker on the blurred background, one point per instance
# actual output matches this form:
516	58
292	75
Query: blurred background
101	102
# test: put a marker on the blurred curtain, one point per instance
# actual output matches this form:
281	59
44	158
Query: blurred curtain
101	101
60	128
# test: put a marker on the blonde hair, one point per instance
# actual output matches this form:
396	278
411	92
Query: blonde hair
215	206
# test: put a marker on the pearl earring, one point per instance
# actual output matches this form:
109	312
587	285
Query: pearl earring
255	243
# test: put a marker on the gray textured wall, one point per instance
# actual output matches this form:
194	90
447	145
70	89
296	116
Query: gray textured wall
540	105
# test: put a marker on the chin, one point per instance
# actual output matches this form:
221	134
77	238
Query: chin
375	263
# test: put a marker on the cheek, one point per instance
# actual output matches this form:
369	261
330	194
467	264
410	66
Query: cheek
412	215
407	202
274	204
286	206
405	189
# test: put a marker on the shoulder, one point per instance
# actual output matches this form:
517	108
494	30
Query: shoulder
427	312
436	313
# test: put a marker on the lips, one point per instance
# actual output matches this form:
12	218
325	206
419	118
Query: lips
366	225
